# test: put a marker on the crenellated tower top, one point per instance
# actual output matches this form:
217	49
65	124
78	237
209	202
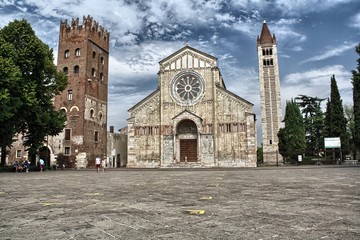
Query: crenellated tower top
89	29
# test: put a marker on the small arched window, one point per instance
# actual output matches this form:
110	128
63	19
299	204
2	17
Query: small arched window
101	76
100	116
66	54
65	70
102	60
76	69
91	113
93	72
94	54
77	52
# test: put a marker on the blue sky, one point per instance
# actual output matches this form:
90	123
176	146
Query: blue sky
316	38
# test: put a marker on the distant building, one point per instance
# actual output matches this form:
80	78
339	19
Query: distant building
271	115
191	119
117	148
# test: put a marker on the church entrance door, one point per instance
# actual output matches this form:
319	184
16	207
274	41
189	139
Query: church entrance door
188	150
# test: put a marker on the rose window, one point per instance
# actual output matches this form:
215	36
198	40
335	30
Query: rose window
187	88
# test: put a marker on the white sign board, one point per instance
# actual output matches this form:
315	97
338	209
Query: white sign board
333	142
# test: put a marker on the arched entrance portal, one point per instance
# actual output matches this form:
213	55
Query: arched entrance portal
44	153
187	140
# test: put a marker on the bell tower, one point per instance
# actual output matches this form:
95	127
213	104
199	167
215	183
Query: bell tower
270	98
83	54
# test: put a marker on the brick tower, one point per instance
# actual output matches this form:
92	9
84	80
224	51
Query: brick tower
83	54
269	95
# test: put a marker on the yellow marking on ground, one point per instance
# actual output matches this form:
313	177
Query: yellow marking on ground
93	194
206	198
50	203
196	212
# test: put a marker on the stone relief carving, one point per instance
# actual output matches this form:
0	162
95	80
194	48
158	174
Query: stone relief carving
168	148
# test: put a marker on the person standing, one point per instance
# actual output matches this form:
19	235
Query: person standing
97	163
103	164
26	165
41	161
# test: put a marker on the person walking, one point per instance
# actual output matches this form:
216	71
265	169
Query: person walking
41	161
97	164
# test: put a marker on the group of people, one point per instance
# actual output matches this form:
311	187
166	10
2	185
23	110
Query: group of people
22	166
100	164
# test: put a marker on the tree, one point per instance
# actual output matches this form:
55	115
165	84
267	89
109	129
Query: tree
335	121
292	140
313	121
356	99
349	115
9	95
33	113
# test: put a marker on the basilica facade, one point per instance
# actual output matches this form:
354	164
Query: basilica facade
191	119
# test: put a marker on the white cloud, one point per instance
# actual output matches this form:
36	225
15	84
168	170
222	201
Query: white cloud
316	83
290	8
355	21
331	52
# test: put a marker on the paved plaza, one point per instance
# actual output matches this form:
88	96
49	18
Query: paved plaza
317	202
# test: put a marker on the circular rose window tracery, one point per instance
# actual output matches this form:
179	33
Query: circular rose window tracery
187	88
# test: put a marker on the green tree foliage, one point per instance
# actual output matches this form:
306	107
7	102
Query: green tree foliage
335	121
10	94
313	121
349	115
292	140
356	98
34	83
260	155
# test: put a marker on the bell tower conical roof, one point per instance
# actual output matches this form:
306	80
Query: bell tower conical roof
265	36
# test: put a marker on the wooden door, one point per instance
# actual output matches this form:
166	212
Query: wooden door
188	150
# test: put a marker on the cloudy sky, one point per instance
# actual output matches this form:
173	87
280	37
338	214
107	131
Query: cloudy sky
316	38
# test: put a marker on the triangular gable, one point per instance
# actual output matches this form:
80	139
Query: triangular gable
186	112
188	58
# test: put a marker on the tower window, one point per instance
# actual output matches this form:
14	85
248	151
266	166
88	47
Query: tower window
100	116
91	113
65	70
67	133
96	136
76	69
101	76
94	54
270	141
77	52
70	95
93	72
67	151
18	153
66	54
102	60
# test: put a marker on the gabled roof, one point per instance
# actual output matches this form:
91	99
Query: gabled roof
265	36
187	112
187	48
145	99
235	96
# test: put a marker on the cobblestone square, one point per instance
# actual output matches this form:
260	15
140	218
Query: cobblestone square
317	202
